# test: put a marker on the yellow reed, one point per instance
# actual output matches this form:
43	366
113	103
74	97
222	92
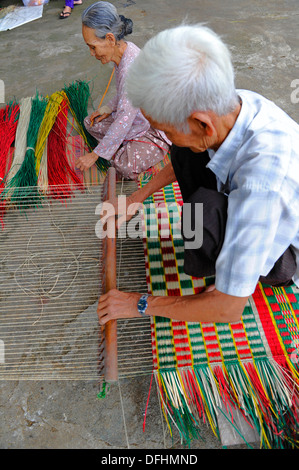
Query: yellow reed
52	109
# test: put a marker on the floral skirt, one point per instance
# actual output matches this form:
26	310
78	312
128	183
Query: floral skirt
136	155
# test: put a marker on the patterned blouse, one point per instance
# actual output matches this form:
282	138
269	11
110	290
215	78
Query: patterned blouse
128	122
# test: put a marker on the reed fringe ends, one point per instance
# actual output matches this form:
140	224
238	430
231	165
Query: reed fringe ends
265	393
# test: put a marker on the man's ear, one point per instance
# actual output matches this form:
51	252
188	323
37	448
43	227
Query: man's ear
204	121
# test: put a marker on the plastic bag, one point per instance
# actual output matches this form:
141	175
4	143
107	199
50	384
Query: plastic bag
34	3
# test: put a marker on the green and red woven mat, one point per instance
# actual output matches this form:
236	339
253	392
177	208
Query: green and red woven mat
251	365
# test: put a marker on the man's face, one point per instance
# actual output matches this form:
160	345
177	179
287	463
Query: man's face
196	139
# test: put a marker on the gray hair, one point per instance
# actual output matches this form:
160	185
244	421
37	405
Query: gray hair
182	70
103	18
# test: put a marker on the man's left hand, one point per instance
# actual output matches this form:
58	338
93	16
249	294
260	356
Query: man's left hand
116	304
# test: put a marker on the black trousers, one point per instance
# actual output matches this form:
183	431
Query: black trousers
198	185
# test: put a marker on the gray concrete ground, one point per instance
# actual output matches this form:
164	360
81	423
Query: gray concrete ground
45	55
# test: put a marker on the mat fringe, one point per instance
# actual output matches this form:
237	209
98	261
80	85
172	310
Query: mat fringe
266	393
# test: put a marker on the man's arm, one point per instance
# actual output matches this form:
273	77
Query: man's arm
163	178
213	306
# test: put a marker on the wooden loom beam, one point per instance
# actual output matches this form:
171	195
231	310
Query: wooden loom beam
109	260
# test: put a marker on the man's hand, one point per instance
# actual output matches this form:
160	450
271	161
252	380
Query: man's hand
207	306
125	207
86	161
116	304
134	201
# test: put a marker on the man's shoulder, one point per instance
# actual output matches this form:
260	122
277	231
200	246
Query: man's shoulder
268	153
254	98
262	113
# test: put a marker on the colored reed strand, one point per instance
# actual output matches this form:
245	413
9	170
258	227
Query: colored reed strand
51	112
9	116
22	188
61	177
78	95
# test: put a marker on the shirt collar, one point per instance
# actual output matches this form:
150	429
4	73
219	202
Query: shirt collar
222	159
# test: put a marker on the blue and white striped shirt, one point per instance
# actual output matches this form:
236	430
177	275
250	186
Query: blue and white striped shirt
258	167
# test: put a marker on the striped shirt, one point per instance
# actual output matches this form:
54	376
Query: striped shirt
257	166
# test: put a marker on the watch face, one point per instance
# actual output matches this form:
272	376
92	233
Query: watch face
142	304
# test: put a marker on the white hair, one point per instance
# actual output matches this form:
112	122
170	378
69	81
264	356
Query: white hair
182	70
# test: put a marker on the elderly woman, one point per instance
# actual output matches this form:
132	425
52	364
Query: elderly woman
124	136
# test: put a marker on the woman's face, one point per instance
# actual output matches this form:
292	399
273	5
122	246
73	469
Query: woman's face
101	49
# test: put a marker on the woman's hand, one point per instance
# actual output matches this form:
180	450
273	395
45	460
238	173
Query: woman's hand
100	114
116	304
86	161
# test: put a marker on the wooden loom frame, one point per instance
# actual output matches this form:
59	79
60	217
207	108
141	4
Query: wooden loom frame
109	331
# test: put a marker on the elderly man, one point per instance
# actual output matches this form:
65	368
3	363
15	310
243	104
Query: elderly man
233	151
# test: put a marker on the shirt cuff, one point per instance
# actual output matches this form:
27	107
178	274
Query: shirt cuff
234	288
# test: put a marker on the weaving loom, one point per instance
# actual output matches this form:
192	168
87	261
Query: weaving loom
51	276
54	269
53	265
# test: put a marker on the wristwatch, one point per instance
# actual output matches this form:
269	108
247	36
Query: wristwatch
142	305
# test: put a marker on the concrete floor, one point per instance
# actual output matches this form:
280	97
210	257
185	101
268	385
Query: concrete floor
45	55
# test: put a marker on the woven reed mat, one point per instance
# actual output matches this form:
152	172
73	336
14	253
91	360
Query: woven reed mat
202	369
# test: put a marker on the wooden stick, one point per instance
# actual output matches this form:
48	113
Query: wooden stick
100	104
109	250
